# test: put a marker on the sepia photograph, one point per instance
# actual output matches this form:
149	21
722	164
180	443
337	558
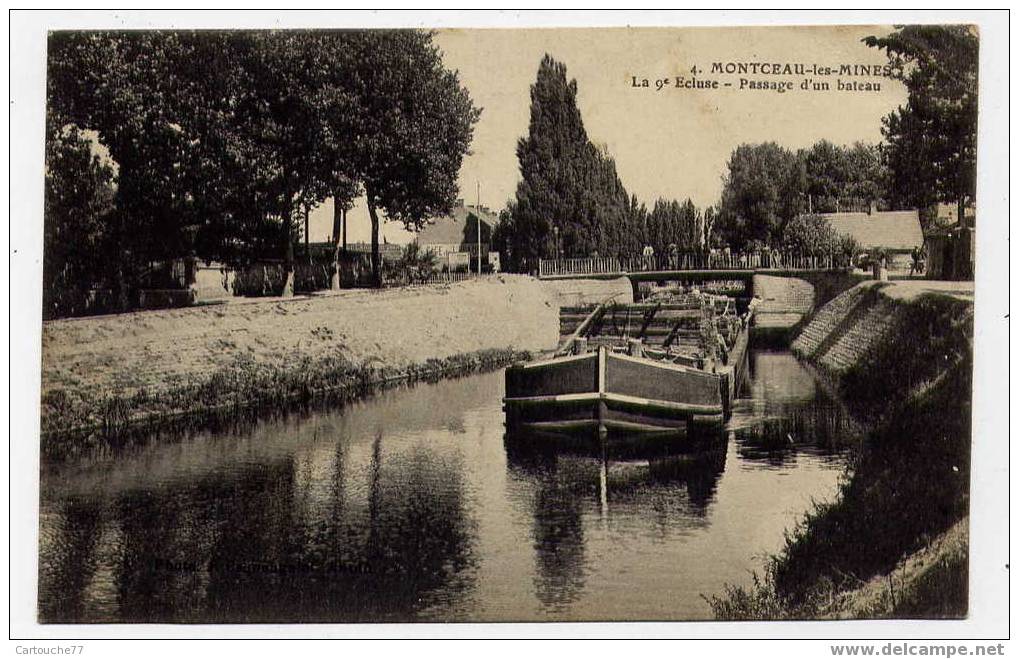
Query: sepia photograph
522	324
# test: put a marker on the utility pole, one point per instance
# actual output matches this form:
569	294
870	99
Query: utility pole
478	214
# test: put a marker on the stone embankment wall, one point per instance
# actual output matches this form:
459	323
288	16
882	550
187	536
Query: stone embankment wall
845	329
784	301
581	292
878	316
900	356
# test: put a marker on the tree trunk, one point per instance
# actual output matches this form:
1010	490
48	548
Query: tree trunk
307	235
288	254
120	277
961	211
337	224
337	219
376	260
123	304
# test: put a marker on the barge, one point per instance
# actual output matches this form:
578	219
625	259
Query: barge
668	368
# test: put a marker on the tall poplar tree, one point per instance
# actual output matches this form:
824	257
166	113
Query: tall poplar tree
570	200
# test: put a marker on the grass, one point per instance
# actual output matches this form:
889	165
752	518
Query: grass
908	483
930	583
82	422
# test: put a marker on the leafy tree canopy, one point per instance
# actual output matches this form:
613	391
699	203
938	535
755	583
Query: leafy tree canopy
931	141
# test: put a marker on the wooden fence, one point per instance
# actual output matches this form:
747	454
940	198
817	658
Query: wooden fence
600	265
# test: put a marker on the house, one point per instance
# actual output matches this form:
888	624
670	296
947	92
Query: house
951	252
898	232
948	214
951	245
388	252
457	232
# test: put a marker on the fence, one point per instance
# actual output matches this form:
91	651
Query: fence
266	278
691	261
450	277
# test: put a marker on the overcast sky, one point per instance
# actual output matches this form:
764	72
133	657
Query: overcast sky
671	143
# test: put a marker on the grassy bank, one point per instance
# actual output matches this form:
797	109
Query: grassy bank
905	498
109	376
97	419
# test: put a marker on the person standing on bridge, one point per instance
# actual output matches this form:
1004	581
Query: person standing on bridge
649	257
776	258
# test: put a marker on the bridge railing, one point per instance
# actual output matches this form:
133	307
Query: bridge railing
600	265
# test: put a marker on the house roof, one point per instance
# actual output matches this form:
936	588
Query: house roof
451	229
888	229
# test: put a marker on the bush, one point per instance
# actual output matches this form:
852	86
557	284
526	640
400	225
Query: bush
259	279
415	266
848	247
811	234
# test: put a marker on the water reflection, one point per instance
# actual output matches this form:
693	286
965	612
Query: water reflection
788	409
414	506
667	489
334	526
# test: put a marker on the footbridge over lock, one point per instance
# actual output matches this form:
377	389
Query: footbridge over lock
789	286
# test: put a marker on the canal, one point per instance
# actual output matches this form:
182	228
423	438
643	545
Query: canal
412	506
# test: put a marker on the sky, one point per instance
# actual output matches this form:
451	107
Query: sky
672	143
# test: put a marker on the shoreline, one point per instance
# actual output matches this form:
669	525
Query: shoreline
852	341
350	385
901	515
104	375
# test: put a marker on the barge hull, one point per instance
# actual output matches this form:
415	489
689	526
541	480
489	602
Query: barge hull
614	395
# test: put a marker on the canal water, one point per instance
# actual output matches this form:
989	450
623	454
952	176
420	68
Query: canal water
413	506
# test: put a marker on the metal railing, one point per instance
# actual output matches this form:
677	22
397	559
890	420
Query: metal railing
601	265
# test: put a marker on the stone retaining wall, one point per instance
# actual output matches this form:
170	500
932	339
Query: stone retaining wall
846	329
784	301
842	331
581	292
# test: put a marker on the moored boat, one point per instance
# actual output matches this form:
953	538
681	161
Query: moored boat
612	383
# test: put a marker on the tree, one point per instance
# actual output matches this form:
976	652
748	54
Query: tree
210	156
673	225
709	237
278	124
79	193
115	83
570	199
843	178
412	128
931	141
866	173
763	190
221	159
810	234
